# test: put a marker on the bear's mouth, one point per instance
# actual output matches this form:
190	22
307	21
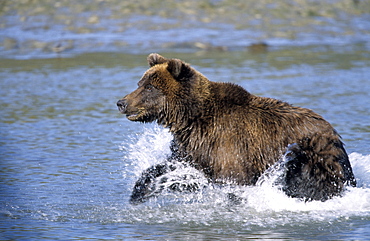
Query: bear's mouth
132	117
141	116
137	115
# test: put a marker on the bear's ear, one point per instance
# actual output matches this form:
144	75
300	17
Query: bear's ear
154	59
179	70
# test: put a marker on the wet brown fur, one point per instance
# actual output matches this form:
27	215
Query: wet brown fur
234	136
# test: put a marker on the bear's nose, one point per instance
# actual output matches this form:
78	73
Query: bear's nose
122	105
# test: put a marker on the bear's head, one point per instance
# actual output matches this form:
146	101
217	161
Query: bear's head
168	91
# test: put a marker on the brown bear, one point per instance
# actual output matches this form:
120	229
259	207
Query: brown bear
234	136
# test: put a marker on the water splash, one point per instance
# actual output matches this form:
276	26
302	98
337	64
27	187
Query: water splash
147	149
262	205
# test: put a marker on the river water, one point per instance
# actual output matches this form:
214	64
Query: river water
69	159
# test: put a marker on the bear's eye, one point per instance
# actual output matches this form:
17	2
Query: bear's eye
149	87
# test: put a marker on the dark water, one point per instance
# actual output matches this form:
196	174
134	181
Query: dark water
68	159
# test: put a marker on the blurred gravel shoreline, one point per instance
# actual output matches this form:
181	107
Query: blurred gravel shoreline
42	28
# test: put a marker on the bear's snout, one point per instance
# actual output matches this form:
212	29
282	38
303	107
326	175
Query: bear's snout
122	106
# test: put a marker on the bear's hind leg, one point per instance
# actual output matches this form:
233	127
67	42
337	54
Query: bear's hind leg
317	168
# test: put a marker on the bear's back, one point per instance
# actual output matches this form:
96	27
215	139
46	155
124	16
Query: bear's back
245	134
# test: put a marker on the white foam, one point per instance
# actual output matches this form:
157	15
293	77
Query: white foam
151	147
361	168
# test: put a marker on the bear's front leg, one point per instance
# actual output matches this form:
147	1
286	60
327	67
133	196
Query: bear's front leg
146	187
